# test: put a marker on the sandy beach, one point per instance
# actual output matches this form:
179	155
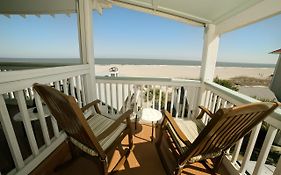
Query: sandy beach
186	72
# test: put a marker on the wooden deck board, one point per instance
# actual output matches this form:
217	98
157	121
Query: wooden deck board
143	160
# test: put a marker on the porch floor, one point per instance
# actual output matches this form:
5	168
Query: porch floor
143	160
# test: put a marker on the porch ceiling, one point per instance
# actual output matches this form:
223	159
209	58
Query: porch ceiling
226	14
202	11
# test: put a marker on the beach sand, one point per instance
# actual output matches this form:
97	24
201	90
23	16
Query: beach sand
186	72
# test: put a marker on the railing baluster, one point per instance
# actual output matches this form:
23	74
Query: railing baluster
172	101
184	103
26	121
236	150
53	120
213	107
78	91
117	96
65	87
271	133
153	96
106	96
72	90
166	98
250	147
41	117
147	95
160	98
111	97
10	134
81	79
177	101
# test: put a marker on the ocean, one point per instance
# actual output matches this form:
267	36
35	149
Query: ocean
35	62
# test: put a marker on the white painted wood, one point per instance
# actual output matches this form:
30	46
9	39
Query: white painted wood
72	90
149	81
42	119
271	133
160	98
238	99
214	101
178	101
123	93
147	95
27	123
249	149
116	97
157	12
111	97
78	91
65	86
210	51
260	11
85	26
20	75
184	103
32	164
10	135
53	120
166	98
236	151
172	101
83	94
218	106
153	96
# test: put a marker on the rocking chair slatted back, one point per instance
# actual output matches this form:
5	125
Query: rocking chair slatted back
227	127
69	116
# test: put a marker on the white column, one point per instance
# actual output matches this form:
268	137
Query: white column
210	52
85	27
209	58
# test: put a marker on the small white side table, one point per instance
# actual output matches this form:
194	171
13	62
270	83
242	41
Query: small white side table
33	116
151	115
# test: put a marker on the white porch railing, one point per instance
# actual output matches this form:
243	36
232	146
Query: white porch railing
16	86
180	97
177	96
218	96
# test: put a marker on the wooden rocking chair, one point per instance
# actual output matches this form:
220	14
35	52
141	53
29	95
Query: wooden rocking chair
98	135
183	142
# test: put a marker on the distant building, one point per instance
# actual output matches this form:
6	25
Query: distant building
275	85
113	71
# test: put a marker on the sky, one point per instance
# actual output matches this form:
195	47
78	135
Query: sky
123	33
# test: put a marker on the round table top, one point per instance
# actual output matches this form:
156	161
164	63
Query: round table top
33	116
150	114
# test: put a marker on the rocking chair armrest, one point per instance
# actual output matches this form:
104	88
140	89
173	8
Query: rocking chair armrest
203	111
95	103
112	127
168	117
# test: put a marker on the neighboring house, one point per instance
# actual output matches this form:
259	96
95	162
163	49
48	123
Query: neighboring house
276	80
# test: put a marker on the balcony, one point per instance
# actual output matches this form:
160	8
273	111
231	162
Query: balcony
27	143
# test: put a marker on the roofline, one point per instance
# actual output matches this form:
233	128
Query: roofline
278	51
161	13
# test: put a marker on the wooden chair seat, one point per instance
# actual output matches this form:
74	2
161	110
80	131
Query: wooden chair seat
98	124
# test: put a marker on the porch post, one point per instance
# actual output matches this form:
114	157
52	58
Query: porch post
85	28
209	58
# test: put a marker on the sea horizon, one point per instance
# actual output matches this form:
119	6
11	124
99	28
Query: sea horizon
33	62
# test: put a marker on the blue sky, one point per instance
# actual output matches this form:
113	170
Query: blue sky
123	33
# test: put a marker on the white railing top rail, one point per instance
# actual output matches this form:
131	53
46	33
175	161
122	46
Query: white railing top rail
20	79
237	98
149	80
